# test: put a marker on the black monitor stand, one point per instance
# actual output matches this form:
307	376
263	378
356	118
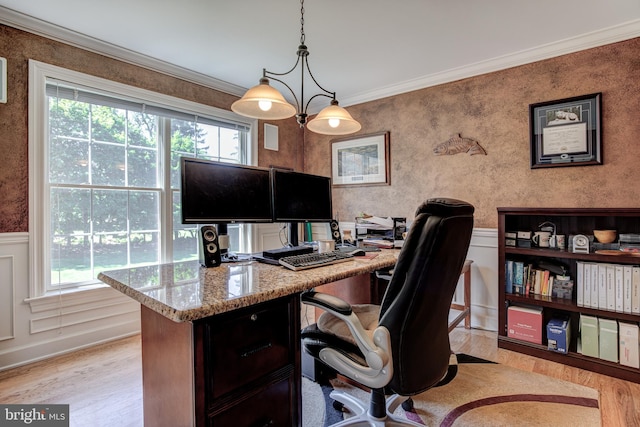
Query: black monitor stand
223	243
293	234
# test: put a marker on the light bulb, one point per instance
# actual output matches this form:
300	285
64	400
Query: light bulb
334	123
264	105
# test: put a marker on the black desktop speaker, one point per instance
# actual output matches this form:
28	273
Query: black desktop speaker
209	248
335	231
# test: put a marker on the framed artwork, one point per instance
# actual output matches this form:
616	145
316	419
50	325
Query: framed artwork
360	160
566	132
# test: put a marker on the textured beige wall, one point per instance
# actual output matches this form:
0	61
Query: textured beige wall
19	46
494	110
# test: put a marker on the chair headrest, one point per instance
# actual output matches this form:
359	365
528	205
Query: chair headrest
445	207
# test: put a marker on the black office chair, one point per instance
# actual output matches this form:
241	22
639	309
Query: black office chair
402	346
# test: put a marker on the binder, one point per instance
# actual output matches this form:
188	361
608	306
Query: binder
595	271
611	287
602	286
635	289
619	287
626	285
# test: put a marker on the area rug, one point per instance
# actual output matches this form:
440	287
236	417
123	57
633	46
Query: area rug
482	394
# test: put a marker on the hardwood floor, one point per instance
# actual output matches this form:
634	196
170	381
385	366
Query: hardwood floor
103	385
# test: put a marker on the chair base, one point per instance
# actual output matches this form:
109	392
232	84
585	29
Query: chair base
362	417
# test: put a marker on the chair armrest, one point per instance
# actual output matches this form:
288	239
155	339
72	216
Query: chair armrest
377	351
326	302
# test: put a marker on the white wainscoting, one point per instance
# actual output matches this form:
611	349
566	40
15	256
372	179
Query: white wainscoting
483	250
7	292
35	329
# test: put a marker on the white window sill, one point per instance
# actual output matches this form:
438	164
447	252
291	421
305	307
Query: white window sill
80	296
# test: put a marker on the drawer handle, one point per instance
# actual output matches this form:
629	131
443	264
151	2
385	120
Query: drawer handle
258	348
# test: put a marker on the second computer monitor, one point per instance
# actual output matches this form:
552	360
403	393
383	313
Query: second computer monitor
300	197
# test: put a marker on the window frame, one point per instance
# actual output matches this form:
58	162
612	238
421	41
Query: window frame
39	209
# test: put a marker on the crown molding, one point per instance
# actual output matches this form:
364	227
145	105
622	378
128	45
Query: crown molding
617	33
41	28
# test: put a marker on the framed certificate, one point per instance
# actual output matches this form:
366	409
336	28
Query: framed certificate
566	132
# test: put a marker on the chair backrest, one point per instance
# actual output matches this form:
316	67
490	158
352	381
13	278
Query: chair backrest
416	305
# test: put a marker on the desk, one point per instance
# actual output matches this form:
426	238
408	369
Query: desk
221	346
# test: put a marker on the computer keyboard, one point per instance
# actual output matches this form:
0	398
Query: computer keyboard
302	262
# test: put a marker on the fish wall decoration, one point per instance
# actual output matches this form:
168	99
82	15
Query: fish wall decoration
457	144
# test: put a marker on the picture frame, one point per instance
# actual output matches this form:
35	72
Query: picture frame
566	132
360	160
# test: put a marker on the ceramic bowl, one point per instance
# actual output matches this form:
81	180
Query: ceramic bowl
605	236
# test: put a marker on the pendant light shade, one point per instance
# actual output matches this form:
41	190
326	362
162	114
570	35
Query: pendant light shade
266	103
334	120
263	102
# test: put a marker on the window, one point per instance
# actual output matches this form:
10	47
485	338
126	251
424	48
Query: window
105	178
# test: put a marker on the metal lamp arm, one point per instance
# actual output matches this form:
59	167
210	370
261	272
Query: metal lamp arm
270	75
332	96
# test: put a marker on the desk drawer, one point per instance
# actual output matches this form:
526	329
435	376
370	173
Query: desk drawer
248	346
271	406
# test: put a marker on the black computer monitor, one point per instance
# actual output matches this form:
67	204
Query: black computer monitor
222	193
300	197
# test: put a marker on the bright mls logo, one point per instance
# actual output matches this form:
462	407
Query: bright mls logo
34	415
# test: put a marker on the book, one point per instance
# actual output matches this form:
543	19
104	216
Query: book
508	276
544	282
518	277
537	282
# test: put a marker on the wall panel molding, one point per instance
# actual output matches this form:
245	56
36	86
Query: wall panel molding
7	295
39	328
14	238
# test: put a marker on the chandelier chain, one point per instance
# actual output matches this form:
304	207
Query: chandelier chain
302	35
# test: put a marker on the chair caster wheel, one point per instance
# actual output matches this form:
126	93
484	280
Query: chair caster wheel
338	406
407	405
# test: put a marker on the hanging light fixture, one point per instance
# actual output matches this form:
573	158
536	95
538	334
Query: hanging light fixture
265	102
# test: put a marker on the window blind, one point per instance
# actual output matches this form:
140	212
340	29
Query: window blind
60	89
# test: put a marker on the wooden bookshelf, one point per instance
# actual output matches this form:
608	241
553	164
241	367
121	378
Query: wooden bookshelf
568	222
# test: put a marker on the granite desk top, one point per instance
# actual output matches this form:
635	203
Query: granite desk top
186	291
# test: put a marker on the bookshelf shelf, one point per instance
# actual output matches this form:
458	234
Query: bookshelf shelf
568	222
571	359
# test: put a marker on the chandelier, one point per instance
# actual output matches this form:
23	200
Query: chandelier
267	103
